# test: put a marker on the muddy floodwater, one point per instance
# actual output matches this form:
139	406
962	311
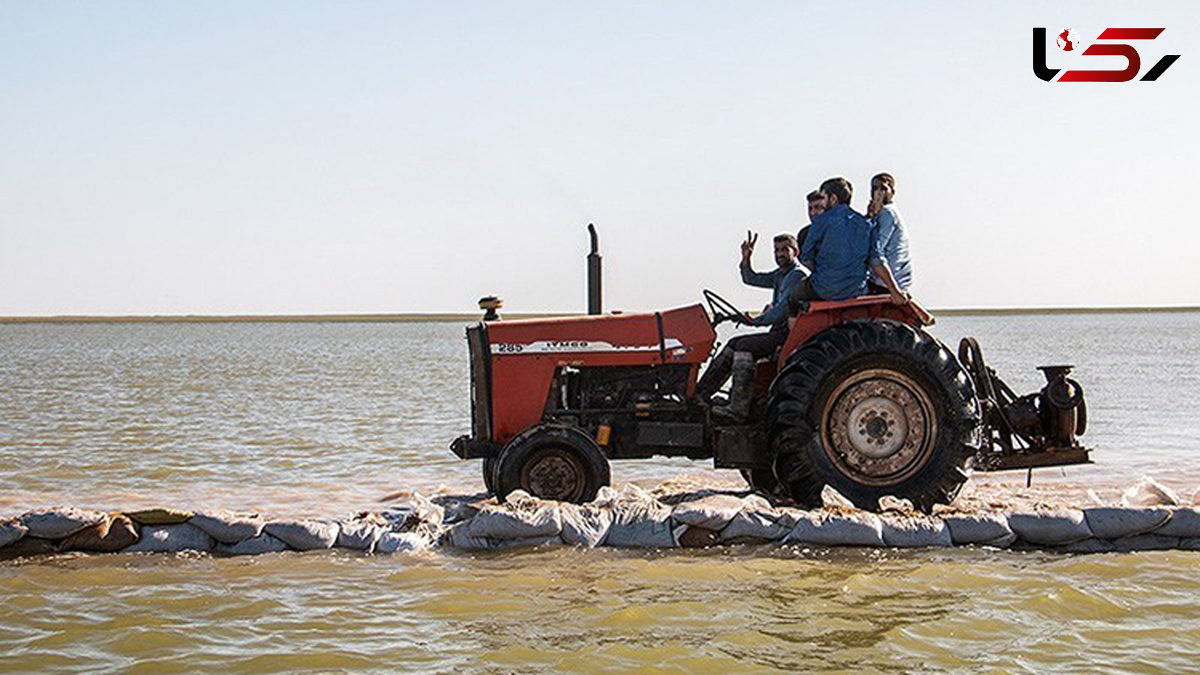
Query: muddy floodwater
327	418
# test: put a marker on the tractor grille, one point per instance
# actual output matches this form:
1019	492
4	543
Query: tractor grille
481	383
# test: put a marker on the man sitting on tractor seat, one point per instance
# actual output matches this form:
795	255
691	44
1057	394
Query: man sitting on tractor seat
816	206
889	246
837	250
739	355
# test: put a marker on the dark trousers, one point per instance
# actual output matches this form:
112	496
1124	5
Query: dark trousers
802	293
761	345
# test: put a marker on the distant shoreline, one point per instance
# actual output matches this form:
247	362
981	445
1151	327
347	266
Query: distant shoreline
475	316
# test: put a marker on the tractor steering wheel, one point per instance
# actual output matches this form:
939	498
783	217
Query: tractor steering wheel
723	310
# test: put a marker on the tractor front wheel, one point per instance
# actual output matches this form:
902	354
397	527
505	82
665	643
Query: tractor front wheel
551	461
873	408
489	473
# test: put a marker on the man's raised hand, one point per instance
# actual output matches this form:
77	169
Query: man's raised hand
748	245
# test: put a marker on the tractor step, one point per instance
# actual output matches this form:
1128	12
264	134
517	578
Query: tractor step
741	447
467	447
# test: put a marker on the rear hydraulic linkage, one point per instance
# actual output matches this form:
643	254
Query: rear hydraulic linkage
1023	432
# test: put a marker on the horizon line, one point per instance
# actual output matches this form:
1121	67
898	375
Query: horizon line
432	317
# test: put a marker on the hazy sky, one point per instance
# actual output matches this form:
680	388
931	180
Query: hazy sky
299	157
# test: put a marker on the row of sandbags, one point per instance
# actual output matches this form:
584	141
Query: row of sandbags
631	518
634	518
412	524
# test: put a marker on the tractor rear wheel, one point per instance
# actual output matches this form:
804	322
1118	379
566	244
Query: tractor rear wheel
873	408
764	482
551	461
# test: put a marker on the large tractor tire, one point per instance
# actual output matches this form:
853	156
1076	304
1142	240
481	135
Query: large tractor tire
873	408
551	461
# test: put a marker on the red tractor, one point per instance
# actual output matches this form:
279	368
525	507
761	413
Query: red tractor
860	398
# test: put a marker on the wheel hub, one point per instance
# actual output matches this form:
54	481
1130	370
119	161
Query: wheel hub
879	427
554	475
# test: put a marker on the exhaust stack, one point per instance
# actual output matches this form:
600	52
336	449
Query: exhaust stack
594	291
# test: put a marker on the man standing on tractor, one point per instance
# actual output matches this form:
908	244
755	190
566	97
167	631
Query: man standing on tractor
838	251
739	355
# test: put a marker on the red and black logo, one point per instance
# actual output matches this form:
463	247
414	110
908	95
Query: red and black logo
1067	42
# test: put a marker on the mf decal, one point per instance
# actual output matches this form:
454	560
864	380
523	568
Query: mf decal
575	346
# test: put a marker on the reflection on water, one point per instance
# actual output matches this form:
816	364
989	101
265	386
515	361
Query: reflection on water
326	418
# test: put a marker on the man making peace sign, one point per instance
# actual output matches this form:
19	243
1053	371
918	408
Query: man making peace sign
741	352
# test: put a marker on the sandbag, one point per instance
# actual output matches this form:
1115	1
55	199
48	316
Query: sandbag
159	516
910	530
228	528
1090	545
837	529
29	546
1111	522
1050	528
699	537
712	512
1145	542
171	539
982	529
413	509
1184	522
532	518
640	521
527	542
360	534
461	536
893	503
836	501
519	522
454	510
11	531
1148	492
607	495
257	545
59	522
399	542
585	524
758	522
304	534
107	536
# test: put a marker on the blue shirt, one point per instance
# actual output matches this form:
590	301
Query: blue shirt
782	281
889	242
836	251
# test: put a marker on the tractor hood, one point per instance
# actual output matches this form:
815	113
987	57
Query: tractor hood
681	335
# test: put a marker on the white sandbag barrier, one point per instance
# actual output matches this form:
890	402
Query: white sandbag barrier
1149	519
410	524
